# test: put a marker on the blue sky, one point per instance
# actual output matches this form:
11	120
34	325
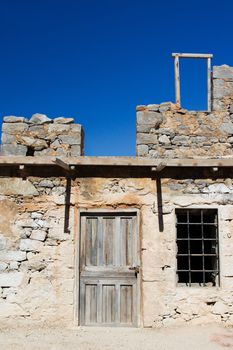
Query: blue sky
95	60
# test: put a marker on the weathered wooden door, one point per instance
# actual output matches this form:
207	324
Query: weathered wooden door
109	269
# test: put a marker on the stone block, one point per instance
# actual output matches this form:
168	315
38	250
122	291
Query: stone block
142	150
38	235
59	128
30	245
149	117
75	150
143	138
14	128
71	139
13	150
14	265
220	308
164	139
227	128
219	188
62	120
76	128
144	128
223	72
3	266
40	119
222	88
164	107
180	139
12	256
13	119
36	215
153	107
46	183
17	186
8	139
11	279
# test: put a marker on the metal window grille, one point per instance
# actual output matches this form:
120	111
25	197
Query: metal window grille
197	247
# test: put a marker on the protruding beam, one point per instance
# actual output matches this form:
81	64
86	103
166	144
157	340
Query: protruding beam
161	166
62	164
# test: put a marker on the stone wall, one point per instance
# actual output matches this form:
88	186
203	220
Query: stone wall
38	257
41	136
223	88
165	301
36	253
167	131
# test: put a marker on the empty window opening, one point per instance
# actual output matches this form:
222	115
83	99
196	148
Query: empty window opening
194	82
197	247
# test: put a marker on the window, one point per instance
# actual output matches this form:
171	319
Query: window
197	247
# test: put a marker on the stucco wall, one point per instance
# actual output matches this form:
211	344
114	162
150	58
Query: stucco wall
38	259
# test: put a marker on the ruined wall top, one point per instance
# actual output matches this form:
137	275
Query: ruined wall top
222	88
168	131
41	136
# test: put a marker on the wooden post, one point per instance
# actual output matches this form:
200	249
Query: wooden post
209	85
177	79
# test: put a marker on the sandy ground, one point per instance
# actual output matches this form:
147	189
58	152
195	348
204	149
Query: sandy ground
189	337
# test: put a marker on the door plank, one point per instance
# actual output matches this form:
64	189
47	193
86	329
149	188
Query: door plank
108	240
108	306
126	304
91	304
91	241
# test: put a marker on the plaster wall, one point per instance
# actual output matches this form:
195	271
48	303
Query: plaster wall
39	252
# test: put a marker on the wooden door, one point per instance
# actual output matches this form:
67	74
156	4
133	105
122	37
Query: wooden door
109	269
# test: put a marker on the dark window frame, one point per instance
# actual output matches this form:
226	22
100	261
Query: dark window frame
193	228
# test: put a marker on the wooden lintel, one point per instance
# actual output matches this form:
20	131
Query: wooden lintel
192	55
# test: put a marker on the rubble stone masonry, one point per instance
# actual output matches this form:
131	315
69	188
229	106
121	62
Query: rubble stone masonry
40	136
39	212
167	131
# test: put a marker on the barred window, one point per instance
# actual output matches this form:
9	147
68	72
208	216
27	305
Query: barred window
197	247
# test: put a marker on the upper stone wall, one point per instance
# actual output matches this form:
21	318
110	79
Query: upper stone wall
222	88
41	136
167	131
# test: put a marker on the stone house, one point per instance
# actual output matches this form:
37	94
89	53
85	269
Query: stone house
144	241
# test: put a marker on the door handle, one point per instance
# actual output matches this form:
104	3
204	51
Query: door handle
134	268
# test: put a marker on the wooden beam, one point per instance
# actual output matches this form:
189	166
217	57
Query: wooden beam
193	55
161	166
209	85
177	80
66	162
62	164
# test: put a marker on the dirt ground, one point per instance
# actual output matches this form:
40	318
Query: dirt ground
189	337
